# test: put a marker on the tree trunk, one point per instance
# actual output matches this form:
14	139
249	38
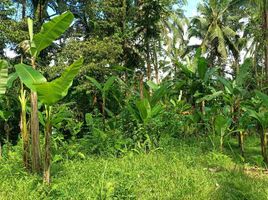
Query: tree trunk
23	12
103	112
141	86
241	143
36	155
156	65
203	107
47	156
7	130
148	61
265	34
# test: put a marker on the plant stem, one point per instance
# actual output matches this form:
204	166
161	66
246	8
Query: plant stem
47	156
24	131
36	155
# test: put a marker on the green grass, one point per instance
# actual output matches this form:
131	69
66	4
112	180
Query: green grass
182	170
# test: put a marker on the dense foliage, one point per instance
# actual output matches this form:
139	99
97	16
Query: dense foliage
136	83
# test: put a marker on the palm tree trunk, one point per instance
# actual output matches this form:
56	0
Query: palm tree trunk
23	12
141	86
265	31
156	64
36	155
148	61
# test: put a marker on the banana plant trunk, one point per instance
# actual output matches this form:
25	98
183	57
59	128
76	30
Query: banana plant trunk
221	142
47	156
7	130
36	155
264	146
103	111
241	143
24	131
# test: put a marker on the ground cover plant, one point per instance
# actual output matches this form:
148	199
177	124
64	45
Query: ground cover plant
133	99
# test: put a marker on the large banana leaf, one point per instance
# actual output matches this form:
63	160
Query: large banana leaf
50	93
202	67
11	78
221	124
159	94
51	31
3	76
29	76
263	97
144	108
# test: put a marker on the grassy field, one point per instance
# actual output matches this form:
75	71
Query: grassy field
183	170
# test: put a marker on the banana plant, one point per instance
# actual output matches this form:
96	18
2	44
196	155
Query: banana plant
104	89
149	107
222	124
260	114
50	31
200	78
49	93
234	93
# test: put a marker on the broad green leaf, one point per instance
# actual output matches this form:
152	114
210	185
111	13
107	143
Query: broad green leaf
257	116
51	31
263	97
5	115
3	76
95	82
144	108
210	96
134	112
202	67
217	33
29	76
50	93
108	83
227	84
158	94
221	124
153	85
210	72
184	69
11	78
89	119
156	110
244	72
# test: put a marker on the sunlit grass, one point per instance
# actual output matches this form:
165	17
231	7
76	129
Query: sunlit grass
183	170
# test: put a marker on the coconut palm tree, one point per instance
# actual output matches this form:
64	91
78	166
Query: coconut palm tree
215	27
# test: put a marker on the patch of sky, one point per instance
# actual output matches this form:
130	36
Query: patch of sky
191	8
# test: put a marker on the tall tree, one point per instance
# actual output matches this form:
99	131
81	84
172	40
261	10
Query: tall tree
214	28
